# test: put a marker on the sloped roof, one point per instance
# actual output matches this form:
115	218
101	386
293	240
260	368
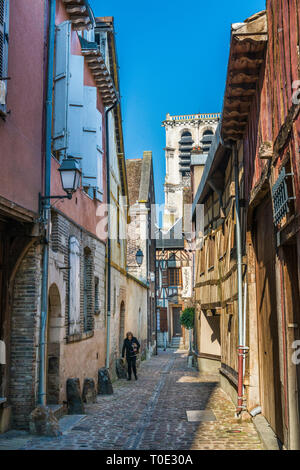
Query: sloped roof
139	178
134	171
145	177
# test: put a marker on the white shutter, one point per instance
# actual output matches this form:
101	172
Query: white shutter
74	286
68	94
75	108
89	140
99	190
61	82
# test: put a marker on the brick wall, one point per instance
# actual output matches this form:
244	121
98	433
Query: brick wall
24	329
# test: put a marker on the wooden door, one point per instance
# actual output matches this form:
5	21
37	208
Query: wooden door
176	321
269	368
163	319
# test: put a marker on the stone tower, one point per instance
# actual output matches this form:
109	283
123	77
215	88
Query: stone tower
183	135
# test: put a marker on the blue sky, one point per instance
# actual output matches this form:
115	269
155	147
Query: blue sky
173	58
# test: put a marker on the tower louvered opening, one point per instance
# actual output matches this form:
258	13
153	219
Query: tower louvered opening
185	146
206	140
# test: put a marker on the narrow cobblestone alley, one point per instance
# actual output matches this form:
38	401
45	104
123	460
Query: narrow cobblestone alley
150	414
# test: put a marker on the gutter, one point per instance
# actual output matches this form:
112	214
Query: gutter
46	211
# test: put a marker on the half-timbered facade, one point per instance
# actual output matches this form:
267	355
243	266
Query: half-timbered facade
174	289
247	266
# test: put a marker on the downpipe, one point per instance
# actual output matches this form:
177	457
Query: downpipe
108	312
241	321
46	208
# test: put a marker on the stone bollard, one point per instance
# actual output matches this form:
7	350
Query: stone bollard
75	404
42	422
121	369
104	382
89	394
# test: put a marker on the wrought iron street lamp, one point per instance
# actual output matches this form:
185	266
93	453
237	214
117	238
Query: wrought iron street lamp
70	179
139	257
70	176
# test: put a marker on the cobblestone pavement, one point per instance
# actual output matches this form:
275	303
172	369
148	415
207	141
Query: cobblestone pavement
150	414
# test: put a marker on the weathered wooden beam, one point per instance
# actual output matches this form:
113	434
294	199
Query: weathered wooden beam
233	114
232	123
266	150
80	19
244	76
243	86
286	128
250	55
237	99
73	1
75	8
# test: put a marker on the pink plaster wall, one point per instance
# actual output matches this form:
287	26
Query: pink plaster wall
21	135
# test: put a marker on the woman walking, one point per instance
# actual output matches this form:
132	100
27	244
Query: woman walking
131	346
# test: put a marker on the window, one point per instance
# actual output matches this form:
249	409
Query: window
174	276
202	261
87	291
74	286
207	139
185	146
97	300
4	24
211	252
118	217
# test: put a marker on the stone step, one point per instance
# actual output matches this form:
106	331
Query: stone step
59	410
176	342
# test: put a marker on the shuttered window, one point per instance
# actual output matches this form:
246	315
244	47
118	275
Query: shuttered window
4	38
77	123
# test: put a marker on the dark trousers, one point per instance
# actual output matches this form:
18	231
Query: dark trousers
131	361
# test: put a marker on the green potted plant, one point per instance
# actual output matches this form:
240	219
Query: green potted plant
187	321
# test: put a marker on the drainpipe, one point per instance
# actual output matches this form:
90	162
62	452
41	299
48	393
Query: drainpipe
46	207
241	344
108	234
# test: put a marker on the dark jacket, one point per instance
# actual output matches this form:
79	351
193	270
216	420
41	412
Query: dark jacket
127	346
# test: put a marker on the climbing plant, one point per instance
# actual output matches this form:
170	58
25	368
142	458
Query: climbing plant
187	318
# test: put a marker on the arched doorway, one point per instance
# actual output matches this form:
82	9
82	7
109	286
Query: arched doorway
53	346
122	326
